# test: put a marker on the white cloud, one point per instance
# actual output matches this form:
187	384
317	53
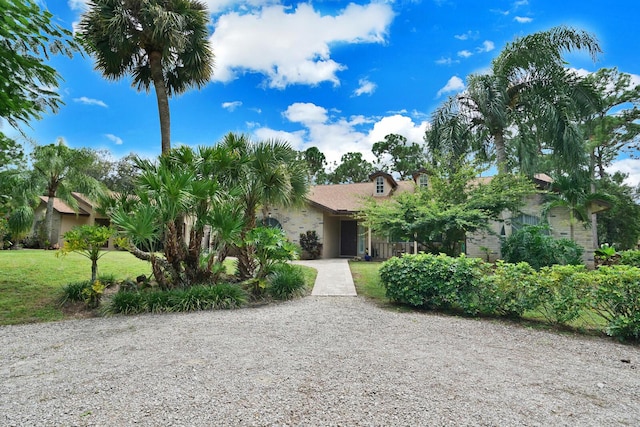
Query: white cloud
115	139
231	106
464	53
454	84
293	46
628	166
90	101
446	61
522	19
468	35
335	135
366	88
79	5
487	46
520	3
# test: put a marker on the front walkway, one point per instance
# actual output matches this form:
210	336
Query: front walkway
334	278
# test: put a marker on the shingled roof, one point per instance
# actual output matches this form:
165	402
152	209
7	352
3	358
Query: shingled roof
349	198
62	207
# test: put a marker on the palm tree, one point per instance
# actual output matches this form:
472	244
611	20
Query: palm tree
158	42
60	170
265	173
529	92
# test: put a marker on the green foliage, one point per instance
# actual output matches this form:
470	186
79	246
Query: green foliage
4	232
310	244
631	258
271	248
28	35
198	297
396	155
566	292
432	281
533	244
620	224
352	168
89	291
454	204
511	290
285	281
89	241
616	297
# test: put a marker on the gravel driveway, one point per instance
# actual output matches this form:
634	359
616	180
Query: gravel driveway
313	362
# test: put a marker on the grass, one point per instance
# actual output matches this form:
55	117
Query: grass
367	281
31	281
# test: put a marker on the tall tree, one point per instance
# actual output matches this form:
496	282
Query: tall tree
59	170
530	92
316	163
620	225
160	43
27	37
352	168
396	155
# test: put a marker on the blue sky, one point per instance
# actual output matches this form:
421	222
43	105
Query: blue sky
333	74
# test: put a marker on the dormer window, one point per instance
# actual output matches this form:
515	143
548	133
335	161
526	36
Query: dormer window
423	180
380	185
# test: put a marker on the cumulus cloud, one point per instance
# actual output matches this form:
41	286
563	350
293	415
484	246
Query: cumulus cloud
79	5
366	88
454	84
468	35
293	46
336	135
464	53
487	46
90	101
231	106
628	166
113	138
522	19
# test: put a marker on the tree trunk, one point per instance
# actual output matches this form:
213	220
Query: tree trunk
94	270
48	220
501	152
155	63
246	264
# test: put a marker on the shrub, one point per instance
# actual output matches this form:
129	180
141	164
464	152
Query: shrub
631	258
616	297
433	281
533	244
310	244
198	297
511	290
87	291
566	292
74	292
285	281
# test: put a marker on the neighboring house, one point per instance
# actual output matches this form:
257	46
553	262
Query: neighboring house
331	210
65	217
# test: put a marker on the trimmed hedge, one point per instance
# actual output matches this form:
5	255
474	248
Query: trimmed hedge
560	293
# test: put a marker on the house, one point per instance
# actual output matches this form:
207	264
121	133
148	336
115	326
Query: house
65	217
331	211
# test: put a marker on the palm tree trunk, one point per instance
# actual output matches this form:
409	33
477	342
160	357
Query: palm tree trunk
155	62
94	270
501	152
48	220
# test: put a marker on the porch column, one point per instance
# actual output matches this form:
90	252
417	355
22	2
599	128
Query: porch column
369	242
415	243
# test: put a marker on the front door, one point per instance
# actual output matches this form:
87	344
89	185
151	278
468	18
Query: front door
348	238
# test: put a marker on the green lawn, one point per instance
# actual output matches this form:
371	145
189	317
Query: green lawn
367	280
31	280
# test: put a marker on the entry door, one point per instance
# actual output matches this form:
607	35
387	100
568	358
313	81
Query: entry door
348	238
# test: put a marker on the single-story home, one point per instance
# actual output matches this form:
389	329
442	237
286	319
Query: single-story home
65	217
331	211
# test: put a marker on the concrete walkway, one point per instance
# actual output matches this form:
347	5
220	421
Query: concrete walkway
334	278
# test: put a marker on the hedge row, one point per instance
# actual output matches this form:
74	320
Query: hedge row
560	293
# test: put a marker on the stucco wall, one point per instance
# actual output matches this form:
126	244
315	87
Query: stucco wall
297	221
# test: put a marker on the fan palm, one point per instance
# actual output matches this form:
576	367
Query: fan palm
158	42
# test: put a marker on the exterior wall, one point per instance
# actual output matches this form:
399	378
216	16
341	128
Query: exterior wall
331	246
558	221
297	221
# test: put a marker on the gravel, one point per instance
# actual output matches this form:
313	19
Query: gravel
316	361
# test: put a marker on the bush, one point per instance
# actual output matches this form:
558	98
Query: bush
631	258
199	297
86	291
616	297
74	292
533	244
285	281
511	290
567	290
310	244
433	281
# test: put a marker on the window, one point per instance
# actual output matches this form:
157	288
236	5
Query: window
521	220
380	185
423	180
271	222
